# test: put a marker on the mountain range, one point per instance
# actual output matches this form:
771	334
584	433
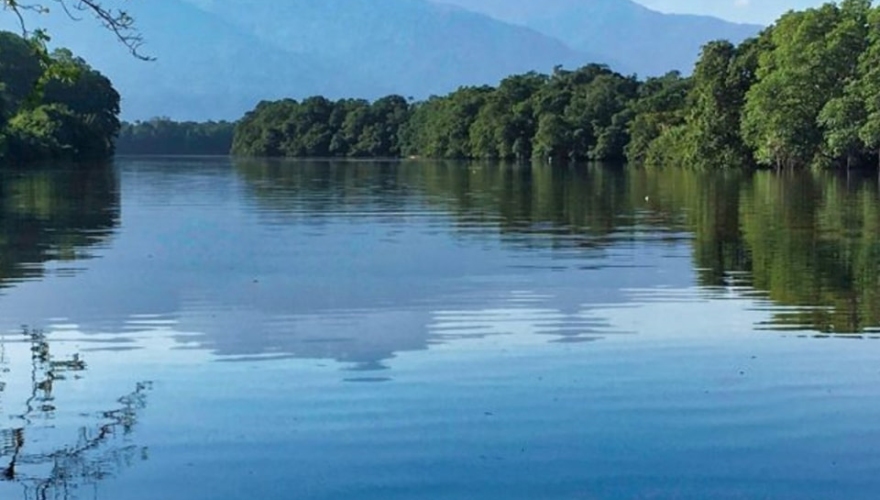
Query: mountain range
215	59
639	39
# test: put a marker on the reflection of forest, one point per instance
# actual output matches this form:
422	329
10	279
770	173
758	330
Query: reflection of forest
810	242
53	214
61	468
57	215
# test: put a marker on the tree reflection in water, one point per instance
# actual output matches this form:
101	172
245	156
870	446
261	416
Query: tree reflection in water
69	468
805	244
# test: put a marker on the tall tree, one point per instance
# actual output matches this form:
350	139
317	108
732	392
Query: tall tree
869	85
553	138
720	86
843	116
795	80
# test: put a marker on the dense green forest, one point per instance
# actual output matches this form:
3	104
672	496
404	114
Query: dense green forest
805	92
318	127
165	136
53	106
582	114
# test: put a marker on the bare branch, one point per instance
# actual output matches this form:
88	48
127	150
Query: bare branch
117	21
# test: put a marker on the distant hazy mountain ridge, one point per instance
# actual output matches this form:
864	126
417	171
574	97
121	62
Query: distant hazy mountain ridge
638	39
218	58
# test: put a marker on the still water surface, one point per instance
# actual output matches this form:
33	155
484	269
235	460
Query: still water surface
203	328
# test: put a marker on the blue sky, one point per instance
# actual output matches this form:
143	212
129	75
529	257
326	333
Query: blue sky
754	11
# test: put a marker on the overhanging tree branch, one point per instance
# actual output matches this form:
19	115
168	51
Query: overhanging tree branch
117	21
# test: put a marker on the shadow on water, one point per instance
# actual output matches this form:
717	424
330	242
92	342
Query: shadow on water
54	214
48	466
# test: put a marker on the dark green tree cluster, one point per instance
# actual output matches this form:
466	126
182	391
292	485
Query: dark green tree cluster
318	127
162	136
53	106
806	92
576	115
583	114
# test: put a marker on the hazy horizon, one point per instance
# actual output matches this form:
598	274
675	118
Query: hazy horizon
742	11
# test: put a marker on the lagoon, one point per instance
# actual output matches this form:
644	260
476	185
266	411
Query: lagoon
203	328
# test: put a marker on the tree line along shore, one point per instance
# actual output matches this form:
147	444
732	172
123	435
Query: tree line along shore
805	92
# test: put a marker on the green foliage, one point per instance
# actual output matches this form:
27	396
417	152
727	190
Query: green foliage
805	92
553	138
505	125
20	71
704	133
717	98
162	136
869	85
54	132
812	59
317	127
659	106
843	118
570	115
53	106
670	148
441	127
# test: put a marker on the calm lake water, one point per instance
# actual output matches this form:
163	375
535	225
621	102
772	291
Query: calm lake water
208	328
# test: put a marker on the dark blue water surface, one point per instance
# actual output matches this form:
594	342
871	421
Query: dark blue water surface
209	328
